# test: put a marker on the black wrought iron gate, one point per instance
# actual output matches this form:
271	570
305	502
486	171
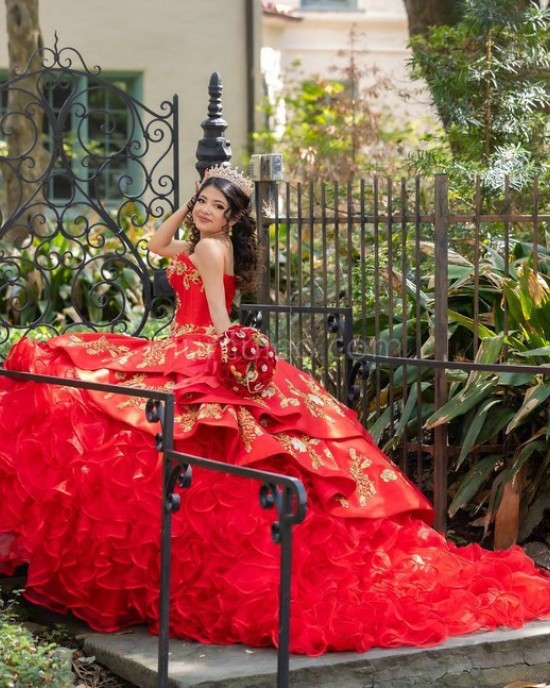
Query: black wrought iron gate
87	168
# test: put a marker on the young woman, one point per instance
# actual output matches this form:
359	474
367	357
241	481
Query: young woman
80	482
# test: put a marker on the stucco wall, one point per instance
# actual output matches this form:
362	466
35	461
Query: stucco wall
381	29
175	44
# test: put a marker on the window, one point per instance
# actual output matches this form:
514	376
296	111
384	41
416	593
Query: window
334	5
96	124
110	127
96	127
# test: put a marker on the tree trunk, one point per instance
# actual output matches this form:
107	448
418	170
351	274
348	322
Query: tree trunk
27	158
425	13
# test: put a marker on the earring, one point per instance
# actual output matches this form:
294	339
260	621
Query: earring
189	223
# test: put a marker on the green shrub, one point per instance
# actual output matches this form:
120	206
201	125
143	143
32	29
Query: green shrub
25	661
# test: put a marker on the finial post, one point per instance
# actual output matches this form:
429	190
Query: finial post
213	149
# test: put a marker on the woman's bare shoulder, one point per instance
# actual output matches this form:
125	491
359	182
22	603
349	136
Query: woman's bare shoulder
211	247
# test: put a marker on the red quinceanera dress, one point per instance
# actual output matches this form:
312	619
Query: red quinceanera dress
80	486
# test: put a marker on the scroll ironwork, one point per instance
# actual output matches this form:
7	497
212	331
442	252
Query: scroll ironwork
78	203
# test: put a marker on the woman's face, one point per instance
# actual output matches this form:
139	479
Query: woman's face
209	212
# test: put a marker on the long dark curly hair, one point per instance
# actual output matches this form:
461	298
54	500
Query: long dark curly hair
243	234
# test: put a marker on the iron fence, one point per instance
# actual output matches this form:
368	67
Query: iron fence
413	263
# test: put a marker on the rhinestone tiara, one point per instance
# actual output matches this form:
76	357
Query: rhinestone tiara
245	184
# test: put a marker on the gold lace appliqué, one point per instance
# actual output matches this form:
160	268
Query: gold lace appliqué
210	410
187	328
99	346
342	501
248	427
363	484
387	475
190	274
316	400
187	417
155	353
305	445
202	350
133	402
137	381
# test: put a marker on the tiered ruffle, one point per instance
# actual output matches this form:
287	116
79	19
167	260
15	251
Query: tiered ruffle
80	504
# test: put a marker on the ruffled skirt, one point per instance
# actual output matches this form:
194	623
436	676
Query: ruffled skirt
80	504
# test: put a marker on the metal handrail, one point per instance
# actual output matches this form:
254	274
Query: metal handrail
396	361
285	493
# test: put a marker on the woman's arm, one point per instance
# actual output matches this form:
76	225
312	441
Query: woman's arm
209	256
162	242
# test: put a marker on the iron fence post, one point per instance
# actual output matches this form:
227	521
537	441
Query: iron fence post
283	656
213	148
266	170
441	229
165	442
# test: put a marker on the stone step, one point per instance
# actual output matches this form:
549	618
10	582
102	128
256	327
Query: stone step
494	659
480	660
